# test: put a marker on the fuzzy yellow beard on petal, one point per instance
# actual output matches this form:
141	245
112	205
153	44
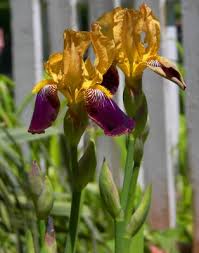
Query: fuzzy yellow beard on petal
104	90
38	86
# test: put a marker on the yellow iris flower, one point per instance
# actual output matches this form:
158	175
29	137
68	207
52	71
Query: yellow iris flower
73	76
136	34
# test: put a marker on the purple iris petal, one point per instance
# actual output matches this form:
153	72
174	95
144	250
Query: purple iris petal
46	109
105	113
111	79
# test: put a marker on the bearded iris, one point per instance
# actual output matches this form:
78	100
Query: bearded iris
136	34
81	82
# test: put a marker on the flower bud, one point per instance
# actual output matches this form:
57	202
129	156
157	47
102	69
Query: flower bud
41	191
75	123
45	201
109	192
35	180
50	245
86	167
139	216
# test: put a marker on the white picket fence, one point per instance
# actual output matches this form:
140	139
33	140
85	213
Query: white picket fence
159	162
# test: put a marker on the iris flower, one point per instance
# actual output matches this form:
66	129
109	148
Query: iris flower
137	40
81	81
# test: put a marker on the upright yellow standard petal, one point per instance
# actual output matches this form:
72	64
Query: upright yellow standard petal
123	31
81	40
104	48
106	23
136	35
72	68
149	26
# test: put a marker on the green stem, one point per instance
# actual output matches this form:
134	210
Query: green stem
75	205
35	237
42	228
74	222
127	171
119	242
131	193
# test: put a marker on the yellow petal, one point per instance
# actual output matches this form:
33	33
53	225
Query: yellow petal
167	69
106	23
54	66
91	75
89	70
73	61
116	25
104	48
149	27
81	40
38	86
72	68
124	39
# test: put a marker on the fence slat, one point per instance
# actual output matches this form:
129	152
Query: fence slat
26	48
61	15
191	38
158	160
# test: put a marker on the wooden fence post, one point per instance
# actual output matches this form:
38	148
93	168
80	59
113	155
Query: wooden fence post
158	160
61	15
191	38
26	48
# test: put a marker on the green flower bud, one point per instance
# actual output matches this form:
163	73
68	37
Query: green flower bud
45	201
75	123
50	245
41	191
35	180
109	192
139	216
86	167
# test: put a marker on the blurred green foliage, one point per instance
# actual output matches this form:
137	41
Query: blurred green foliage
18	148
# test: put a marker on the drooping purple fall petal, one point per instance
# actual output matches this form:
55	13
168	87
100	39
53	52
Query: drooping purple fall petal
105	113
111	79
46	109
165	68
